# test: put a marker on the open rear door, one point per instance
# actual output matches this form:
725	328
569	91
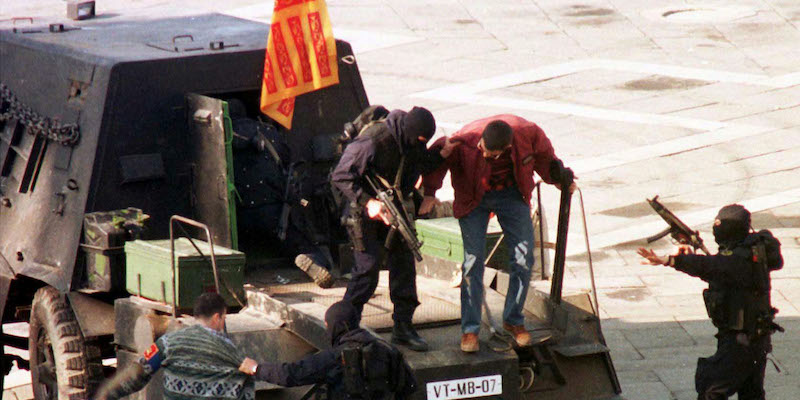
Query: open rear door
210	136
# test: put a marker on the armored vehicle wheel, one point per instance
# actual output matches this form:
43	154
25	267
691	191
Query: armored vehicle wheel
63	365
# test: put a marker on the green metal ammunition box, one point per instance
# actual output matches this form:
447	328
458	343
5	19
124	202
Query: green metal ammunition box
149	275
441	237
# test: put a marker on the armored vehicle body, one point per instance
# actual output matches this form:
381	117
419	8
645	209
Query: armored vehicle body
110	129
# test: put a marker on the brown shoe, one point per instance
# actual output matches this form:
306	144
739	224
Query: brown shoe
521	335
469	342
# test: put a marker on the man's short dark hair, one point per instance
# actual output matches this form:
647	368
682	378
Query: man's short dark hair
496	135
208	304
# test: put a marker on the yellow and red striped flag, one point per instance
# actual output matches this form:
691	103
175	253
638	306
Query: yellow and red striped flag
301	56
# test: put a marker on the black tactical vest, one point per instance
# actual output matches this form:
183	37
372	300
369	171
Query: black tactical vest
748	310
371	371
388	153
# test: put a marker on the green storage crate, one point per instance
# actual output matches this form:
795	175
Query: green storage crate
441	237
149	271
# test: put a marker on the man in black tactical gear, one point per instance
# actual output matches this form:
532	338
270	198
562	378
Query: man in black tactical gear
260	160
394	150
738	302
358	366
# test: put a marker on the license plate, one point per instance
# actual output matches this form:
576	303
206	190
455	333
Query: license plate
465	388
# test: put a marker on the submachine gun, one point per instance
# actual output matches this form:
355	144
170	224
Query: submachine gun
396	217
677	229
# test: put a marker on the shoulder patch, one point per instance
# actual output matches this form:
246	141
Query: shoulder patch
152	359
151	352
726	252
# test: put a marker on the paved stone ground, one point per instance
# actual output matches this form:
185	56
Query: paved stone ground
698	102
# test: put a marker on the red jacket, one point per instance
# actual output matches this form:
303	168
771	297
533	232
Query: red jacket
531	151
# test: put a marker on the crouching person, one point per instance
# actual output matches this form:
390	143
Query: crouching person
199	362
358	366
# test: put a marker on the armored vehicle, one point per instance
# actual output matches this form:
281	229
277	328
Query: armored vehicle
115	135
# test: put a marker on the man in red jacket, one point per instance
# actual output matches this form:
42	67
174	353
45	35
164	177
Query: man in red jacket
492	172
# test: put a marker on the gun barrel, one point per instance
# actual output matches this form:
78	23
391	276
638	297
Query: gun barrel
659	235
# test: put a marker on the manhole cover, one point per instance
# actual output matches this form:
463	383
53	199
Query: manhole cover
700	14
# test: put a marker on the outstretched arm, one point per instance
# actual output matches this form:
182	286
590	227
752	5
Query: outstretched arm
309	370
132	378
730	270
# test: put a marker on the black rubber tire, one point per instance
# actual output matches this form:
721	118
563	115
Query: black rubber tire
58	347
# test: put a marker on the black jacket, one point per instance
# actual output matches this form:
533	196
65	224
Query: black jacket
738	298
325	367
378	150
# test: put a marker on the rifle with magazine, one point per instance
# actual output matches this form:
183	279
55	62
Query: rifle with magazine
396	217
677	228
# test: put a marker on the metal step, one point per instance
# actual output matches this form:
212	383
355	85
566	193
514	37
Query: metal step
303	313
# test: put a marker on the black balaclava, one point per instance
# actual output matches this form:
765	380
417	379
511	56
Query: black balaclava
418	122
731	226
341	317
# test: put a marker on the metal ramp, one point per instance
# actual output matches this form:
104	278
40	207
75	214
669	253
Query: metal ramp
302	307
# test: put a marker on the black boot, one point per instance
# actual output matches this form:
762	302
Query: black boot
404	333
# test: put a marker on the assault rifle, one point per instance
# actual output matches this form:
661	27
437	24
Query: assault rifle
290	189
677	229
396	217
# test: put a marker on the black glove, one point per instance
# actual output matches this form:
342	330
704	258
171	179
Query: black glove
561	174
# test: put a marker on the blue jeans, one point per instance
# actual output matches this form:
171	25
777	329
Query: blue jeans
514	216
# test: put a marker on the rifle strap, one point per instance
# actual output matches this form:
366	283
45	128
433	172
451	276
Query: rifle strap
399	176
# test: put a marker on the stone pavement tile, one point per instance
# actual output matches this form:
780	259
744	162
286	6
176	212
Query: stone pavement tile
676	379
792	327
787	308
765	164
434	16
606	97
492	11
419	55
789	289
638	376
643	310
617	282
662	103
745	35
789	117
722	90
723	111
679	356
675	284
669	357
785	392
666	336
688	394
726	186
770	140
768	183
371	17
463	114
701	330
645	391
683	306
621	348
775	98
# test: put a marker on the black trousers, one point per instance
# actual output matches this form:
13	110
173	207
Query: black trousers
734	368
402	272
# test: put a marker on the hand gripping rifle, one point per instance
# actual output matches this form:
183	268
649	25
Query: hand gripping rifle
677	229
396	217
